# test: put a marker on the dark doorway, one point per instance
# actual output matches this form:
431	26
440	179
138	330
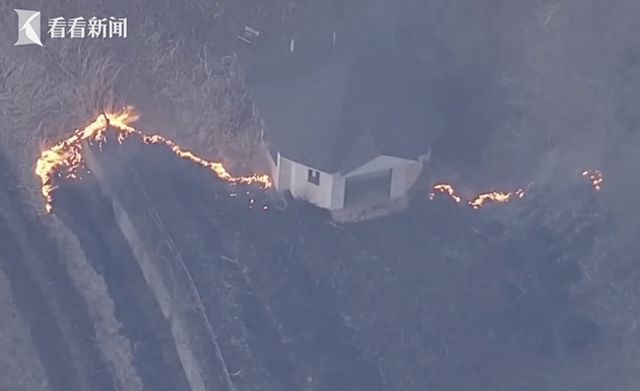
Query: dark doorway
368	189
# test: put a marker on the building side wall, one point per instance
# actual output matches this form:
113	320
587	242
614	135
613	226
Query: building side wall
273	167
404	178
398	181
338	192
412	173
330	193
272	164
320	195
276	172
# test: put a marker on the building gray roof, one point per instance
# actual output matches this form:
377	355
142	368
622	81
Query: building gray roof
335	108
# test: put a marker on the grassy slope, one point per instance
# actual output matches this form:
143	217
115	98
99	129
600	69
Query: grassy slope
440	295
566	85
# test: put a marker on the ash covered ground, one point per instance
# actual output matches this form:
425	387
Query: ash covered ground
438	296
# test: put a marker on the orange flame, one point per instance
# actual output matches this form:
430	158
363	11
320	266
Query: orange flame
494	196
596	177
479	200
64	159
445	188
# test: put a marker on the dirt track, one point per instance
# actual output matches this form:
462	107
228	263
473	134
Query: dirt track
88	213
47	298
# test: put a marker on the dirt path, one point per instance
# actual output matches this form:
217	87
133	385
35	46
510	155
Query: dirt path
21	367
46	297
89	214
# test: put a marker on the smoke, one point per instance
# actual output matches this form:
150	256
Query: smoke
539	92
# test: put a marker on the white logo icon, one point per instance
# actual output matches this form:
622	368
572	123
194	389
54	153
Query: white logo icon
28	28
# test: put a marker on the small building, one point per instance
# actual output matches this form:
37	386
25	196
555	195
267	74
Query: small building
344	128
366	178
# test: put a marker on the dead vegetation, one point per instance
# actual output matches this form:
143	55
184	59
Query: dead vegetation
45	93
213	111
45	97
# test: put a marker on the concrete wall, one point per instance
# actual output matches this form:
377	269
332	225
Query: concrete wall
404	177
291	175
273	164
337	193
412	173
300	187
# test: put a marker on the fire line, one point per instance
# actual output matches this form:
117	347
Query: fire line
479	200
64	159
595	177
